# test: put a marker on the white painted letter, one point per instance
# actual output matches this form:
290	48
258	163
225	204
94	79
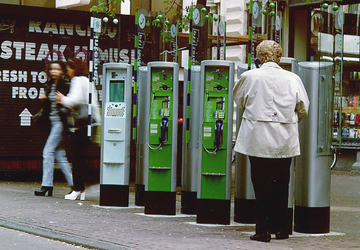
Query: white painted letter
19	46
34	27
69	28
6	52
22	93
15	91
51	27
42	77
33	93
34	74
13	76
22	76
30	51
5	75
43	51
123	55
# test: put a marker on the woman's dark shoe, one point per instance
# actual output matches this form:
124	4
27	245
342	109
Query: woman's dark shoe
265	237
43	190
282	236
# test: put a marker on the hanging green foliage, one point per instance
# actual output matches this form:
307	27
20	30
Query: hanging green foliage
106	6
172	8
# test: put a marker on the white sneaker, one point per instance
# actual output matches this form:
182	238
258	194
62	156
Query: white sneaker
74	194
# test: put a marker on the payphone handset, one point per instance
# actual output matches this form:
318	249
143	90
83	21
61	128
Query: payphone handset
216	90
161	115
257	62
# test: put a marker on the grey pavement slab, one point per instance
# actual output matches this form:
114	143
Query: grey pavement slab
88	225
13	240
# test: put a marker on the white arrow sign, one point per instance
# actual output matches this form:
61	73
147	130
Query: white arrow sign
25	118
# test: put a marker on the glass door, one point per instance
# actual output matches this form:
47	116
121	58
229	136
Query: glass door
346	112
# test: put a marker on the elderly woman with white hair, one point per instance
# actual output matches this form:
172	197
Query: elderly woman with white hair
273	101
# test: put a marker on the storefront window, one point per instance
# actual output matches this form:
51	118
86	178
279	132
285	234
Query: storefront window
338	42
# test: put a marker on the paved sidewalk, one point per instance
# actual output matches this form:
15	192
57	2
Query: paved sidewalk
17	240
87	224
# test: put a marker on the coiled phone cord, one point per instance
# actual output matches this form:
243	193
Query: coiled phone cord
202	126
151	105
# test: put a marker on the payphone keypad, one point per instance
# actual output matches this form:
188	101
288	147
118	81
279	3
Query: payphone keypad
115	110
221	114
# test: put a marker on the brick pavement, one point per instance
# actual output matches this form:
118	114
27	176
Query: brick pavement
87	224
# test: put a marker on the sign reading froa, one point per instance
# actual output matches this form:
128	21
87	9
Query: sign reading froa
29	38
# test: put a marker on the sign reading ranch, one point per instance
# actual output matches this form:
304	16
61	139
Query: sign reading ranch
29	38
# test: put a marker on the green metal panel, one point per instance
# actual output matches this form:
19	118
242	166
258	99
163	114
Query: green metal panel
215	163
214	158
213	179
160	170
160	153
213	188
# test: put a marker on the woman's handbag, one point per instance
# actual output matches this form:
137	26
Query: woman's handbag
80	115
42	121
80	119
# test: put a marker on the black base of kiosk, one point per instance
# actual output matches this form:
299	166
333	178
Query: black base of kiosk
211	211
114	195
157	202
188	202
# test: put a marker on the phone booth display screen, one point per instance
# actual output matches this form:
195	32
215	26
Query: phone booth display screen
117	91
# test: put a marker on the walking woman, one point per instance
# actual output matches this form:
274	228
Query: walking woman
77	71
53	149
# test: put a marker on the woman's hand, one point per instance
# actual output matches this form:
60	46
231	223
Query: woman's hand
58	97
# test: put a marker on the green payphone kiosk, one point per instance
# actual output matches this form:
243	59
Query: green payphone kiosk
216	114
115	135
160	151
